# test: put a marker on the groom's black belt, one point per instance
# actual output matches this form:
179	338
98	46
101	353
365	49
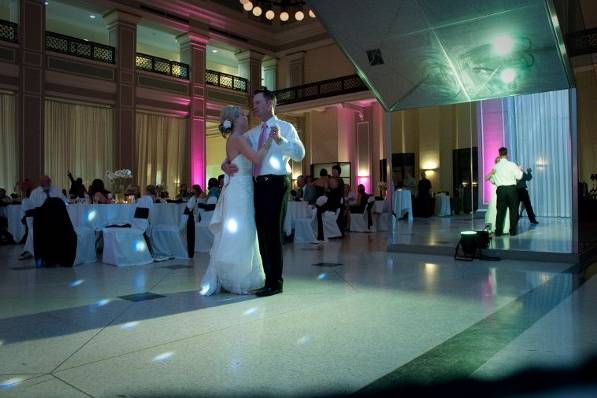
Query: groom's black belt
269	177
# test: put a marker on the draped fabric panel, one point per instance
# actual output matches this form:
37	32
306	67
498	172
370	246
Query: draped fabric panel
9	159
161	151
78	138
538	136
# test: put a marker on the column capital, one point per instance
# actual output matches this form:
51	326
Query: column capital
269	63
193	38
114	17
249	55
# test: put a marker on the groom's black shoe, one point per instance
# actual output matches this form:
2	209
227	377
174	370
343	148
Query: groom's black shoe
268	291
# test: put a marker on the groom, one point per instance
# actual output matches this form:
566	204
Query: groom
271	184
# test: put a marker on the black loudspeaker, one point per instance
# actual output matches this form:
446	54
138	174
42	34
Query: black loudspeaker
383	170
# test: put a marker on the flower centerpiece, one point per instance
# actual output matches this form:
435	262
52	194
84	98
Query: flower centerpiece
119	180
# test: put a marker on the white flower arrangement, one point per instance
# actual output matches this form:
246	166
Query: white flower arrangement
322	200
227	124
124	173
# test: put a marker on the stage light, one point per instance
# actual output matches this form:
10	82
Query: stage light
508	75
284	16
299	15
269	14
243	1
503	45
248	6
471	243
311	14
257	11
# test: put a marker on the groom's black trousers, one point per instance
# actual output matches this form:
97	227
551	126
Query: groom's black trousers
271	193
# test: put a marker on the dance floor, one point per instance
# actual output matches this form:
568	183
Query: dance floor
353	316
441	234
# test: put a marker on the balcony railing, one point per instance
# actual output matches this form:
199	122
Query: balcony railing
225	80
321	89
162	65
583	42
8	31
80	48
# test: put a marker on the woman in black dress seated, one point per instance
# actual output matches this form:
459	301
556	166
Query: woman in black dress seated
362	198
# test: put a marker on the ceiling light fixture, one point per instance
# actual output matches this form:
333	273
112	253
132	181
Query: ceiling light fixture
92	16
283	9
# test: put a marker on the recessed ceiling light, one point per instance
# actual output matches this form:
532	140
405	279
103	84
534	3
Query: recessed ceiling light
92	16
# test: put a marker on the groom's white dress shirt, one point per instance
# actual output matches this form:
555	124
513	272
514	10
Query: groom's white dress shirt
276	159
38	195
506	173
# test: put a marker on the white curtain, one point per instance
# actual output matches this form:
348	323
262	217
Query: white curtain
161	150
538	136
9	159
77	138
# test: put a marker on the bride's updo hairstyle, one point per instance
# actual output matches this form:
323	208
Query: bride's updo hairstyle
227	116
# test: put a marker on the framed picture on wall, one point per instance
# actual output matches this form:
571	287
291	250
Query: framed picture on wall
345	170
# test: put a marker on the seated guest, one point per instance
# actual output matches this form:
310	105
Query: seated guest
44	191
133	190
309	191
150	194
336	192
4	199
213	188
98	193
350	198
183	193
77	189
361	202
164	196
322	184
301	181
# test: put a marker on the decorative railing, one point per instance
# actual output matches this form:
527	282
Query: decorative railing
583	42
80	48
321	89
8	31
162	65
225	80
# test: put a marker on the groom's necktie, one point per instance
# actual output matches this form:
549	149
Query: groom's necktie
262	139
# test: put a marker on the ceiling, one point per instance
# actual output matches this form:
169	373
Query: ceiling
417	53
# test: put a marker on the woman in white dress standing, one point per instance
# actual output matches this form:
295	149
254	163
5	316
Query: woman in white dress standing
235	262
491	214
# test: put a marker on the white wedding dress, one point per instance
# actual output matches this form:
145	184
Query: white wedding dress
235	262
491	214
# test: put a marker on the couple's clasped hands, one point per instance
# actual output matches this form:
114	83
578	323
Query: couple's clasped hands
230	168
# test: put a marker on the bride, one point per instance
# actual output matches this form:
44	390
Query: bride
235	262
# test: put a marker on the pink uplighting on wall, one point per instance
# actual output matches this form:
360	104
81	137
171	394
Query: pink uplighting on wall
490	113
197	152
365	181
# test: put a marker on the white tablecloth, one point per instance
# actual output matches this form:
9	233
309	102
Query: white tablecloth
442	205
295	210
98	216
15	227
401	203
381	206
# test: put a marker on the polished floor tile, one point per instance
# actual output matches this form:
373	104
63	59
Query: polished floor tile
351	315
550	235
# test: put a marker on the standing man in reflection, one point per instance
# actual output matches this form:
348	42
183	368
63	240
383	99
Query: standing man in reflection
271	184
523	195
505	176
